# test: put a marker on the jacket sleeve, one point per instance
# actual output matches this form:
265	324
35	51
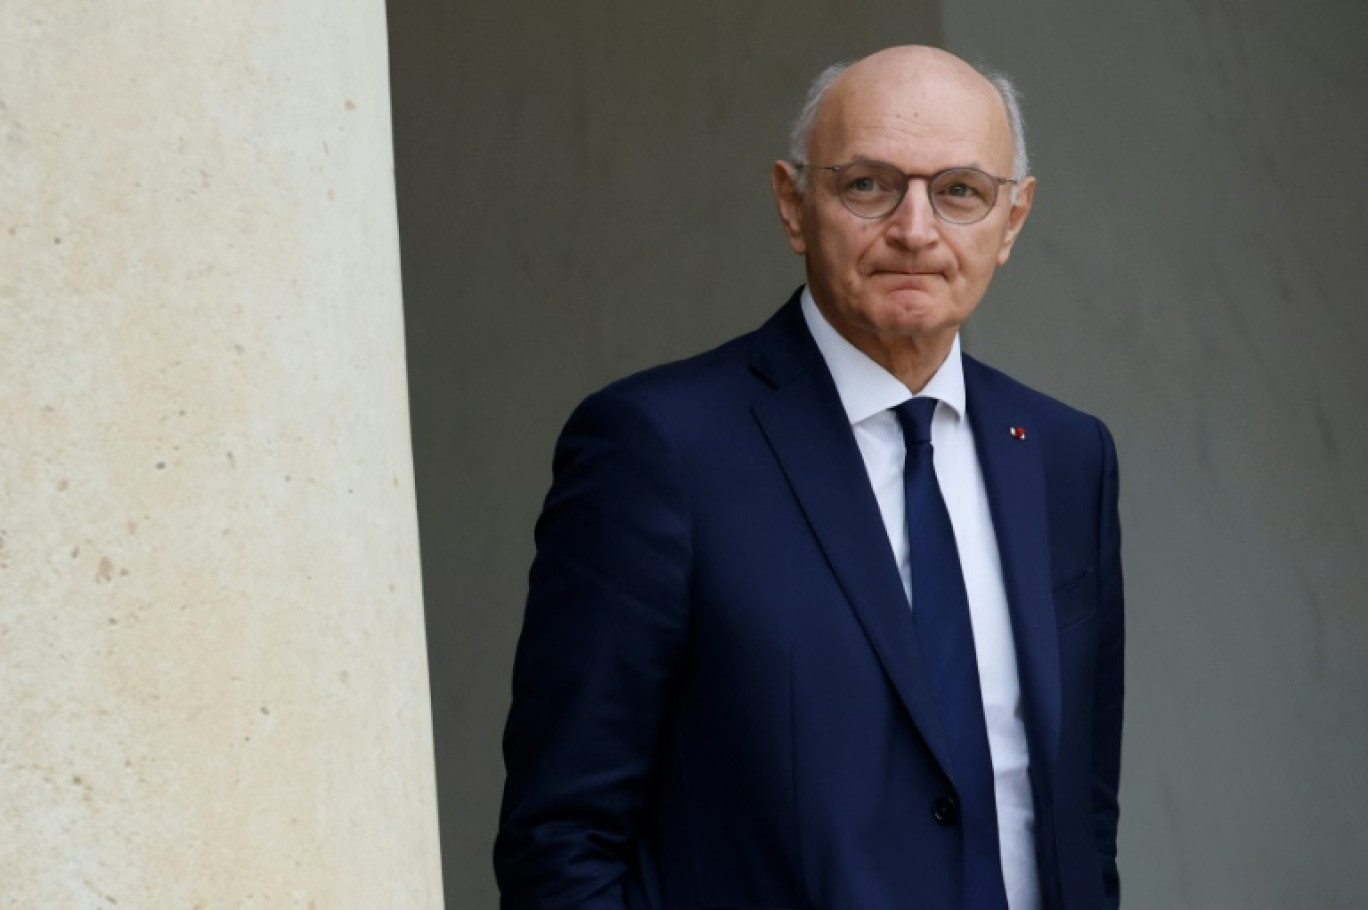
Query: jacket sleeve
1110	680
597	663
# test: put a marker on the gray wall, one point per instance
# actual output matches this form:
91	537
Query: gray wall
583	192
1195	273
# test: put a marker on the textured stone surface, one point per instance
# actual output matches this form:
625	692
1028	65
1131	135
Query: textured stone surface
212	669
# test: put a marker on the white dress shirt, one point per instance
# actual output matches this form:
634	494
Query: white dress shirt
868	393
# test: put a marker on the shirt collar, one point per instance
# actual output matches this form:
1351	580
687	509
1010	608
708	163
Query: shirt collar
865	387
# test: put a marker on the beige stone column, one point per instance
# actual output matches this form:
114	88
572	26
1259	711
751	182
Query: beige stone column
213	684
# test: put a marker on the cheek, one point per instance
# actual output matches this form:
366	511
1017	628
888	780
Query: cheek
845	252
827	248
834	235
977	262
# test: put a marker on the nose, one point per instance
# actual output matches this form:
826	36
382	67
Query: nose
914	224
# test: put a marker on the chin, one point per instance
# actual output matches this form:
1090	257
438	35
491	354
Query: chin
918	322
910	308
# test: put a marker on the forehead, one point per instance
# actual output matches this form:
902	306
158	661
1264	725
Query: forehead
916	117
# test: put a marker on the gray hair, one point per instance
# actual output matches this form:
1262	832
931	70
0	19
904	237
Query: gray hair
800	134
1011	100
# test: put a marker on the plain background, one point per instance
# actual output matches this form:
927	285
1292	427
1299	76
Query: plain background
583	191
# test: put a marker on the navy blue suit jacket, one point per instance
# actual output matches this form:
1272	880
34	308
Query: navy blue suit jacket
718	697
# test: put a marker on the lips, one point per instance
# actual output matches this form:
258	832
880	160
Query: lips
909	278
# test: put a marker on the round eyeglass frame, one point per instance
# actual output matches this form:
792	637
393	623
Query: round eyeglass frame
931	181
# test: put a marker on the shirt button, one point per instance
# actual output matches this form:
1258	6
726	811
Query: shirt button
945	810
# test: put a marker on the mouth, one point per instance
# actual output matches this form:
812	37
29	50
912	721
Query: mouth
907	277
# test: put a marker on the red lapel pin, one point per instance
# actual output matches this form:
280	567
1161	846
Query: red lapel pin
1017	432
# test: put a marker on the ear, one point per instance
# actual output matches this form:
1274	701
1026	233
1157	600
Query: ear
789	198
1025	195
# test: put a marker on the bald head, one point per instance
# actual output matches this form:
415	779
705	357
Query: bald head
898	280
898	69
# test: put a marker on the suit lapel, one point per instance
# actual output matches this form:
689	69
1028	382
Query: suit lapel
1014	475
806	427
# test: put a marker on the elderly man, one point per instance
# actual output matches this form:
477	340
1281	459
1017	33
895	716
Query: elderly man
831	616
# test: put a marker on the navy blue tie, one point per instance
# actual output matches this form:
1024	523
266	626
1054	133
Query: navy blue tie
940	609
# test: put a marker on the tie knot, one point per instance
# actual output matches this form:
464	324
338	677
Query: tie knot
914	415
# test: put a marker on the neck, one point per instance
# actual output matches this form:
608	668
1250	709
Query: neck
912	361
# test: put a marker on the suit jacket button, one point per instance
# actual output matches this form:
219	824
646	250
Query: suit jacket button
945	810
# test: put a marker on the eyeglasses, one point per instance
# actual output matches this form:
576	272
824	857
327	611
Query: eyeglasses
873	189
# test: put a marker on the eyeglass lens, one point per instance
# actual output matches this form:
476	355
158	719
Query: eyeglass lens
871	189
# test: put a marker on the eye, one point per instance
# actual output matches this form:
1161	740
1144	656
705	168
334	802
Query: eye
871	179
865	184
961	190
871	189
963	195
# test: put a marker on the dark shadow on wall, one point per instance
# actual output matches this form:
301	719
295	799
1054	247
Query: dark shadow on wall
583	191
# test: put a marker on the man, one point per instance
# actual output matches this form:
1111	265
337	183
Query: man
759	666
